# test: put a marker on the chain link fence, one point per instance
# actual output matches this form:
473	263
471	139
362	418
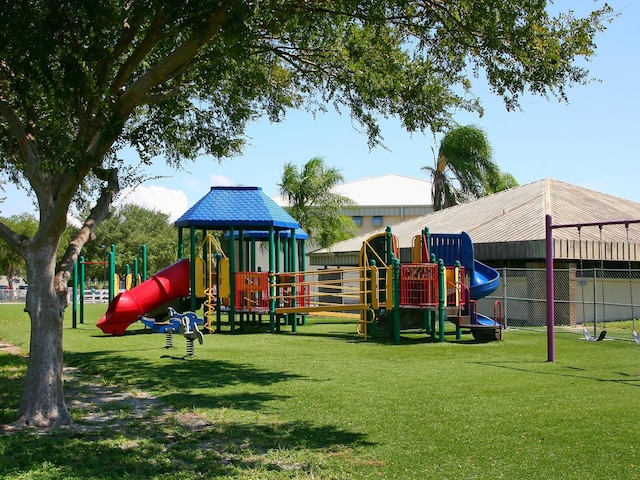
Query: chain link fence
596	298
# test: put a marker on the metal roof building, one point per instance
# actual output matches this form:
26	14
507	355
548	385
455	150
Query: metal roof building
508	227
382	200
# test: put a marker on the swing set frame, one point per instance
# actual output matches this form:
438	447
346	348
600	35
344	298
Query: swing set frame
549	254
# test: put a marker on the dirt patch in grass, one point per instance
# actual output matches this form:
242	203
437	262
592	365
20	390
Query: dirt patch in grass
95	405
11	349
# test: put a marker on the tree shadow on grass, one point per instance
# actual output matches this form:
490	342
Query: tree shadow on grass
563	371
183	380
157	442
174	452
12	370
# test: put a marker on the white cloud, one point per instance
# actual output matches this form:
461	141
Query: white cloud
73	221
172	202
220	181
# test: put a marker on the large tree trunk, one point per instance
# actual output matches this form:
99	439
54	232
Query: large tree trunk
43	402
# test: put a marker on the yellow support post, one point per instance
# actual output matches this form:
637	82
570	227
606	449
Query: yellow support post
389	289
374	288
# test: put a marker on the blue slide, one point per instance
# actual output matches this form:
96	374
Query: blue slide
459	247
485	280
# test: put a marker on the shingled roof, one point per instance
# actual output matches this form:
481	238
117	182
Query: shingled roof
238	207
510	225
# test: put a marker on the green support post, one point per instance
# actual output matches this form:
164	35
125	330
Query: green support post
180	244
232	280
241	267
272	280
112	272
396	299
81	289
279	269
303	267
252	254
135	272
143	252
218	299
426	315
192	270
442	307
74	308
294	268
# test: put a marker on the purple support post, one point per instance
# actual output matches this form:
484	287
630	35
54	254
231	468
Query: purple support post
551	347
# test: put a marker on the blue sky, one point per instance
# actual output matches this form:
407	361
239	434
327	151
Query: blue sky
592	141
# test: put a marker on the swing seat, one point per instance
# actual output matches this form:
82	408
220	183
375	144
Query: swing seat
588	336
636	337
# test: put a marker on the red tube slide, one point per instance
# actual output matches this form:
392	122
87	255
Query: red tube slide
166	285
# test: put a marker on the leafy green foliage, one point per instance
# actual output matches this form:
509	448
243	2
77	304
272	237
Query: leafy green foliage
464	169
312	203
130	227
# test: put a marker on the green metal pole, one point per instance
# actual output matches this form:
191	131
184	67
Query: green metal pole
180	244
144	262
279	269
74	308
389	252
396	300
457	279
242	267
112	271
232	279
427	237
241	264
294	268
192	270
218	299
272	279
442	308
252	254
135	272
303	267
81	289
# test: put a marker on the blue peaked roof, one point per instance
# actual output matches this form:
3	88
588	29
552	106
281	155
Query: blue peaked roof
238	207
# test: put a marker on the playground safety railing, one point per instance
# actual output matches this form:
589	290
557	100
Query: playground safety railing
252	291
419	285
347	289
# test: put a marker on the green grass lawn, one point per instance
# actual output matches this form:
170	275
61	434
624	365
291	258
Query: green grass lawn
321	403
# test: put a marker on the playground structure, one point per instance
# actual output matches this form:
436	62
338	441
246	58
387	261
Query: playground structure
131	279
440	284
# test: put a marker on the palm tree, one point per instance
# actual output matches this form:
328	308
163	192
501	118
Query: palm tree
463	168
312	203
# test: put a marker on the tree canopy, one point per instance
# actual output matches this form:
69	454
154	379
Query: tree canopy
82	79
464	169
313	203
130	227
